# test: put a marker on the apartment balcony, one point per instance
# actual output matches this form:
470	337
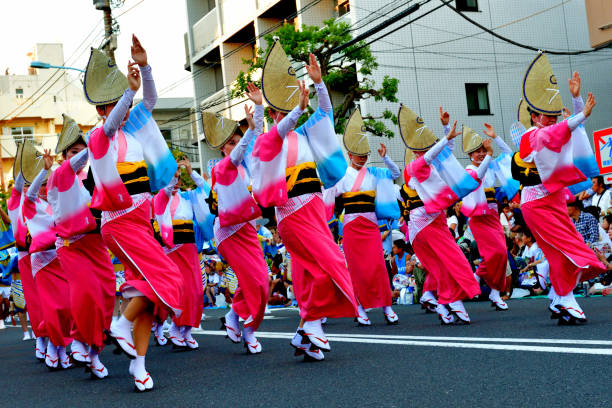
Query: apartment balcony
205	31
187	56
235	14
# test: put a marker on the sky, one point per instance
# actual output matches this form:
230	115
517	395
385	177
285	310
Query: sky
159	24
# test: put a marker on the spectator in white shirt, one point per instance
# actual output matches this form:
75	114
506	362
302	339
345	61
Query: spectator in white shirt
601	196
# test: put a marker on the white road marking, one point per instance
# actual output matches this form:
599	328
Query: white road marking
458	342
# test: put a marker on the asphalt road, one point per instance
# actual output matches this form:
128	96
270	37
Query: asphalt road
504	359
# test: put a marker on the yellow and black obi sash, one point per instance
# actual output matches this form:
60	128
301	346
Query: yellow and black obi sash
525	173
302	179
97	214
359	202
410	200
213	202
134	176
182	232
157	232
490	194
28	242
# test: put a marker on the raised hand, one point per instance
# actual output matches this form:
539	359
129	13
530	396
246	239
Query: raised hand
487	145
248	112
444	117
314	70
382	150
489	131
453	132
47	159
139	55
303	95
565	113
186	164
589	105
254	94
133	76
574	84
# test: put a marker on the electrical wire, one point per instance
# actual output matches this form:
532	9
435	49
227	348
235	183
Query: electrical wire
516	43
50	77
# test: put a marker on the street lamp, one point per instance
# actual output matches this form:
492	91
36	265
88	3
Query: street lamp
46	65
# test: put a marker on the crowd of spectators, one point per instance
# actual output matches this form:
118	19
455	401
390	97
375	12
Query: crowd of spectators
527	270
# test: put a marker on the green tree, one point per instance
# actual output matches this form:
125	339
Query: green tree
186	181
339	71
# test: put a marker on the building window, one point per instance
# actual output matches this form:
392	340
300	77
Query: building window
467	5
477	96
218	77
19	93
343	7
20	134
167	134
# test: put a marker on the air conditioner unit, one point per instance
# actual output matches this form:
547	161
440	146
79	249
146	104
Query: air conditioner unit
599	18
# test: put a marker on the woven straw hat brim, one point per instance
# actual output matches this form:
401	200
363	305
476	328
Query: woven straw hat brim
540	88
279	81
355	136
408	157
17	162
415	134
471	140
523	115
103	83
70	134
217	129
31	162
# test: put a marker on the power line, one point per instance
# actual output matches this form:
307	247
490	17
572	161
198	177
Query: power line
223	100
516	43
246	44
50	77
66	62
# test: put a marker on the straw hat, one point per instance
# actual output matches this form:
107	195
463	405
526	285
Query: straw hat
471	140
408	157
279	81
415	134
31	161
103	83
355	135
217	129
17	162
540	88
71	133
523	115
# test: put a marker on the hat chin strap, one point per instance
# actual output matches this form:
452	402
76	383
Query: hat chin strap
357	164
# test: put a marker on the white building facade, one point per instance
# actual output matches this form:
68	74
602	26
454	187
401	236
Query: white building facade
440	60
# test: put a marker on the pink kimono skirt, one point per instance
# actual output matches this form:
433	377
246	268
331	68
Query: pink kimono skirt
92	287
148	270
570	259
188	263
321	282
243	253
491	241
30	291
442	257
366	263
54	296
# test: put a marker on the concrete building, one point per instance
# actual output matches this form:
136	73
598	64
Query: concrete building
175	120
440	59
27	113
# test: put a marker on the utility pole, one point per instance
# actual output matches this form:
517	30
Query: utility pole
110	41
